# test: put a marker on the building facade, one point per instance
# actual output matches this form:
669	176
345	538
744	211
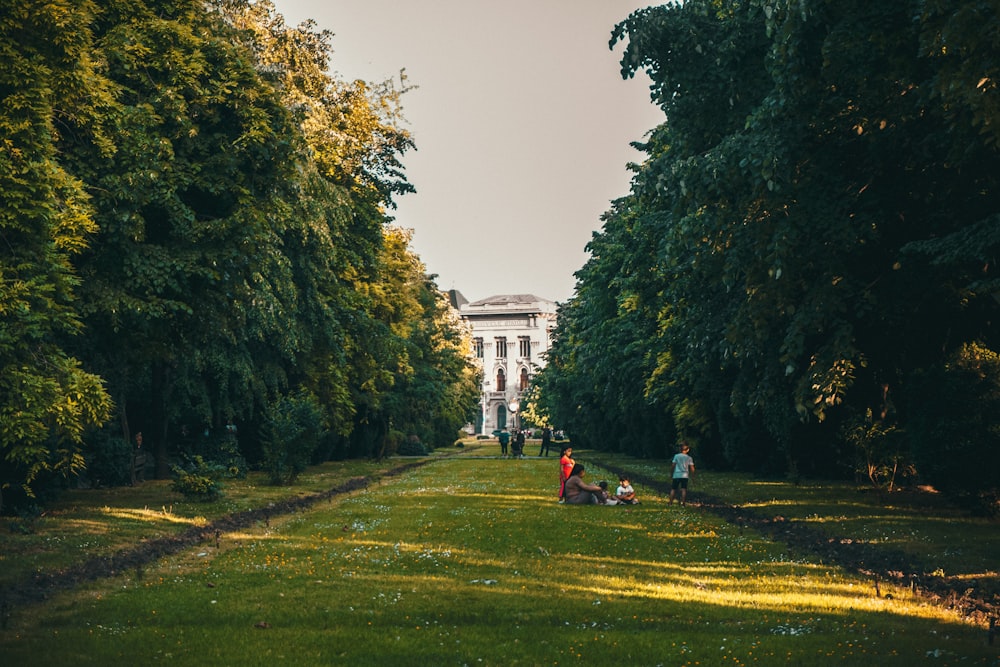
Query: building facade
510	335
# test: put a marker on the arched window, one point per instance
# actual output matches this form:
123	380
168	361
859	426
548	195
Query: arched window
501	380
524	379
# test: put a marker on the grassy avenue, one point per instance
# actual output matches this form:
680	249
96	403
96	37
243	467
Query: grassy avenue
468	559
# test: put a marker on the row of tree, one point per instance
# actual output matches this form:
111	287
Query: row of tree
194	226
805	269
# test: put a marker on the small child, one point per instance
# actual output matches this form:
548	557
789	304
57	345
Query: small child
602	496
625	494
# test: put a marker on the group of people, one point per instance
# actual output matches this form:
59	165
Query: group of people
516	442
574	491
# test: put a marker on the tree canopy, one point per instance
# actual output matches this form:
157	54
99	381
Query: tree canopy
196	229
815	221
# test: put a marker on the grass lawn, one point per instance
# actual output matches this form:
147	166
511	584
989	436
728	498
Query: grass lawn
469	560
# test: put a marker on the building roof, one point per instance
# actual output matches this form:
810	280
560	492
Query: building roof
511	300
507	303
457	299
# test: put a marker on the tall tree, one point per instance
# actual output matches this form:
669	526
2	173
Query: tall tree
187	274
49	87
822	197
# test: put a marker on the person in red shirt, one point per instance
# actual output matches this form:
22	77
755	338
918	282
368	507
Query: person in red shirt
566	464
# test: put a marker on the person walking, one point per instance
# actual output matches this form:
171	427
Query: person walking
504	438
683	469
546	441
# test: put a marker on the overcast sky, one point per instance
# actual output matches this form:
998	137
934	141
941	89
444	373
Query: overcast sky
522	124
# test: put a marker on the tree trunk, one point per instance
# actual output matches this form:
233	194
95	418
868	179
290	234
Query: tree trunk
158	408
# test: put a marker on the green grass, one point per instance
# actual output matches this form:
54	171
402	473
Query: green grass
470	561
100	522
919	523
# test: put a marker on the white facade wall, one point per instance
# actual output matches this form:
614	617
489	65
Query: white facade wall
511	334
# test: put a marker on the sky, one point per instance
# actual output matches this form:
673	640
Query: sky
522	124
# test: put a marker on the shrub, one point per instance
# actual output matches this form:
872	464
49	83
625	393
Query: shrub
221	449
27	520
955	426
293	430
880	452
412	447
109	461
199	479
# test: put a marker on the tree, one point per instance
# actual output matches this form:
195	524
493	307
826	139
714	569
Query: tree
814	222
48	88
187	277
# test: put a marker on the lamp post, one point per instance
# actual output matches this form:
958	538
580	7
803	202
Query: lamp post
513	405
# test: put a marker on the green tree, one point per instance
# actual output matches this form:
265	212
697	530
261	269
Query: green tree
186	293
48	87
292	432
425	384
815	219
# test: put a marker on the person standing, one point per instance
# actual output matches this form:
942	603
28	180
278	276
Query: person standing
518	447
566	464
546	441
504	438
683	469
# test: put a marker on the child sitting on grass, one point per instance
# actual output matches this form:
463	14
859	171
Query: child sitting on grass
602	496
625	493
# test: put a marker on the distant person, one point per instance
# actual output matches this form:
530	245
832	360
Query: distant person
625	493
504	438
518	447
683	469
546	441
578	492
566	464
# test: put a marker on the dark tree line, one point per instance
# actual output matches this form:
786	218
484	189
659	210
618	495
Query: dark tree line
803	277
194	228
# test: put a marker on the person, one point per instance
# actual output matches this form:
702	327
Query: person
518	446
566	464
683	469
546	441
577	491
625	493
603	497
504	438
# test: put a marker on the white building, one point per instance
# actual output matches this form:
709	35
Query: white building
510	335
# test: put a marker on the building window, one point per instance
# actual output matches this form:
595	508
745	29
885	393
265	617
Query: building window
501	380
524	346
477	347
501	348
524	379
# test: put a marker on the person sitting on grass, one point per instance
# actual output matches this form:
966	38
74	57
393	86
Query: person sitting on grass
625	493
577	491
603	497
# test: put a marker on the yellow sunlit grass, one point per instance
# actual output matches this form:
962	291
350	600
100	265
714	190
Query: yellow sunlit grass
146	514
